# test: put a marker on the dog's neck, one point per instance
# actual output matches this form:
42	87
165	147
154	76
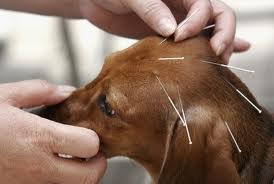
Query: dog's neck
178	164
182	160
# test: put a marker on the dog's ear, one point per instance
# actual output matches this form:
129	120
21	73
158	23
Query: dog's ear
220	166
222	170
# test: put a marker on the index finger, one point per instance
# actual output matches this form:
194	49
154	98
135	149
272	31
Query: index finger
75	141
31	93
58	138
155	13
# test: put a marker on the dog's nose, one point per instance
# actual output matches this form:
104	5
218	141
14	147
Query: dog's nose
58	113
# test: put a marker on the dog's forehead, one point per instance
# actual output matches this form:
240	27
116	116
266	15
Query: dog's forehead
150	50
131	67
132	70
154	46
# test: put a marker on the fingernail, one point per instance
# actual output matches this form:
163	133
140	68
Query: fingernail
66	90
221	49
166	27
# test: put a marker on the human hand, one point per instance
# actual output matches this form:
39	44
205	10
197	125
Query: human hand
29	145
138	18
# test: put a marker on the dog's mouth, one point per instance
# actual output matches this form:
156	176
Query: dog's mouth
103	150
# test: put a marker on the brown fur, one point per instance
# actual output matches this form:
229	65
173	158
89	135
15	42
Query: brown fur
139	128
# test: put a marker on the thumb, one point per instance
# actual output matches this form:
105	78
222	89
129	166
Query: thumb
155	13
32	93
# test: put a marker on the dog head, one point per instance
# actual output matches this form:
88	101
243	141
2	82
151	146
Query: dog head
128	109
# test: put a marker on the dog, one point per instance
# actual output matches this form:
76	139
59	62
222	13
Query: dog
126	106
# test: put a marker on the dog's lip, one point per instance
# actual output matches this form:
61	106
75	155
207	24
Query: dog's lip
105	154
104	151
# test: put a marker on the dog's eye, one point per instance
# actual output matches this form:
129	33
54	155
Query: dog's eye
105	107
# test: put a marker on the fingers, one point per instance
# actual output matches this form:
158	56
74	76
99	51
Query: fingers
197	22
33	93
155	13
47	138
71	171
75	141
225	27
238	45
241	45
227	54
113	23
56	138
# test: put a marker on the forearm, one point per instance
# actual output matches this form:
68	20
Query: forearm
64	8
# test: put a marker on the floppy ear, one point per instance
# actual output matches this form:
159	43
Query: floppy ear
222	170
220	166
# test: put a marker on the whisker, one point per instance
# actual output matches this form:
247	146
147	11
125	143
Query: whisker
227	66
249	101
170	58
233	138
182	24
171	102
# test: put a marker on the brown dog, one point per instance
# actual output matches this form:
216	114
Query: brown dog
129	110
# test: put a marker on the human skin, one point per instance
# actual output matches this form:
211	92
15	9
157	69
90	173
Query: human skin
37	140
138	18
29	145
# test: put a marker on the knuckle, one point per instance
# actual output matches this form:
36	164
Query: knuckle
206	5
233	14
209	9
47	140
150	8
41	138
230	12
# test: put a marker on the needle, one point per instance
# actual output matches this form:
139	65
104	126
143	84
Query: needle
249	101
227	66
65	156
183	112
182	23
181	104
233	138
208	27
176	58
173	105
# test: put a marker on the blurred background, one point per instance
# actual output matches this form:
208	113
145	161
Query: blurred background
73	51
